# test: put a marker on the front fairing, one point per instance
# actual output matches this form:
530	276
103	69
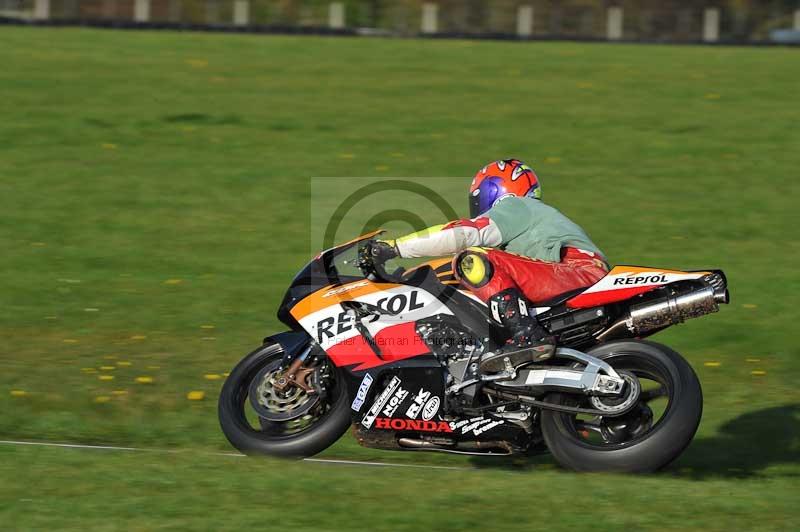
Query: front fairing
332	267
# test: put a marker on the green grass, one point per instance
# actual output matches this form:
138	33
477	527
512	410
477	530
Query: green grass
85	490
163	180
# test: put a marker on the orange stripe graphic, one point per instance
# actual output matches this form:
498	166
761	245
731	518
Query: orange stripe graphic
332	295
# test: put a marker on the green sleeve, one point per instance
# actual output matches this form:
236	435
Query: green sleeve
511	216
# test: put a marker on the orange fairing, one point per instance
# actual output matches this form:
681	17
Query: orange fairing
631	270
332	295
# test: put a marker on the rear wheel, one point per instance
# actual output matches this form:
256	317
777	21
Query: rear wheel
258	418
653	432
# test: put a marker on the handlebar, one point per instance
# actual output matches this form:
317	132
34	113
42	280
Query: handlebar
374	269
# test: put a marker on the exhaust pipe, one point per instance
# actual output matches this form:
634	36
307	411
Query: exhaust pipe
652	315
663	312
462	447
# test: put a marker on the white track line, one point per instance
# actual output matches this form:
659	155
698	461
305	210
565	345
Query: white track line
238	455
386	464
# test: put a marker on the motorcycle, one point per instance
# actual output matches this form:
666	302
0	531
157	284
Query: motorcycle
400	358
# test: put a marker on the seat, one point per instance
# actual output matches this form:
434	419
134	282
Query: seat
560	298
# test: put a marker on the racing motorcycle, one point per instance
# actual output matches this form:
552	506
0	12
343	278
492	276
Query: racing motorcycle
398	356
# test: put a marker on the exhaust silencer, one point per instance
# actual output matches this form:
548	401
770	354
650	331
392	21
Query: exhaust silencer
666	311
663	312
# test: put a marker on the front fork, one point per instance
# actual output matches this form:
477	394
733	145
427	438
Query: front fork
296	374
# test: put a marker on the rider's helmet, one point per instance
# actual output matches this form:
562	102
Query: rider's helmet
499	179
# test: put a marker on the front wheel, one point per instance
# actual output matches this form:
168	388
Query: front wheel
258	418
651	435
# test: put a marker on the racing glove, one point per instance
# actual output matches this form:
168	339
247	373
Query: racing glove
383	250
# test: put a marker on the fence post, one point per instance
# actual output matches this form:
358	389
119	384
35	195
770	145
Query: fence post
711	24
614	23
797	20
430	14
41	9
525	21
141	11
241	12
336	16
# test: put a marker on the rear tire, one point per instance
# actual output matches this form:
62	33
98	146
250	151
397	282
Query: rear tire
233	398
657	447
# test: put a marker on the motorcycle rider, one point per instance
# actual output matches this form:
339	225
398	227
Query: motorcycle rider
513	248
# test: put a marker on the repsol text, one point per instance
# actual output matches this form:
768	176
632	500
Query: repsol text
641	279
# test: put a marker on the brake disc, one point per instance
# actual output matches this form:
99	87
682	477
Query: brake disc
275	405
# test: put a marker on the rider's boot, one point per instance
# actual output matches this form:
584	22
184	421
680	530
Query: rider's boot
529	342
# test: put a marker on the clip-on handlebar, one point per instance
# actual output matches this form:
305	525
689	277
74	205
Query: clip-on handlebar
374	270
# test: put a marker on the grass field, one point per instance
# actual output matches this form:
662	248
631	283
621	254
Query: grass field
156	202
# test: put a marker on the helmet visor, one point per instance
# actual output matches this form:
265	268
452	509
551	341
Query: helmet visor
482	198
474	206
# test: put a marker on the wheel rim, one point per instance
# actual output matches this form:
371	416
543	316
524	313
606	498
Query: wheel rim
273	404
652	409
258	378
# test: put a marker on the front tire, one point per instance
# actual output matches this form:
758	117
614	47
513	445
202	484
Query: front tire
652	445
267	439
